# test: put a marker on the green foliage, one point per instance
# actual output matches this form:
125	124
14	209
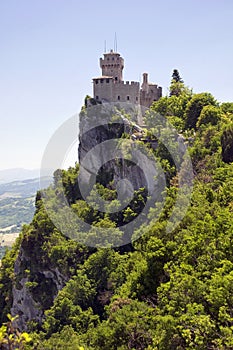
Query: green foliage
177	84
129	326
194	108
66	339
170	106
70	183
176	76
11	338
227	107
7	278
209	115
227	144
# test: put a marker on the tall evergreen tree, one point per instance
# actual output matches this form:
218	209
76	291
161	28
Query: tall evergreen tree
177	84
176	76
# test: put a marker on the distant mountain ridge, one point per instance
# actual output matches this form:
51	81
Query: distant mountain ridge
23	188
17	174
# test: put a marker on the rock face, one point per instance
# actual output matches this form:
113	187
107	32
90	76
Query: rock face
30	299
107	153
106	156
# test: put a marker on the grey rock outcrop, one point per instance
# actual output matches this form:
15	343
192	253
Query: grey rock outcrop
26	303
107	151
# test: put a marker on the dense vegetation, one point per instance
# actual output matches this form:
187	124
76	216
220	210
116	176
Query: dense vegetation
164	290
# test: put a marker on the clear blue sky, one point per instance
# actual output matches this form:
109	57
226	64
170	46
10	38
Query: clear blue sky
50	49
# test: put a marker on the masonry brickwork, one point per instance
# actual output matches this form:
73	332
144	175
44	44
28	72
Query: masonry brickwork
110	86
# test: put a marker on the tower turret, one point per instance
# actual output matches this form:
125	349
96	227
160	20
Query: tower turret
145	82
112	65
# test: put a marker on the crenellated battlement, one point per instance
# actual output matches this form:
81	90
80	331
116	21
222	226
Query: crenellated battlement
128	82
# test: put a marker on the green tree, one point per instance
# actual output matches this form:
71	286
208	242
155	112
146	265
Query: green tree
227	144
227	107
11	338
129	326
209	115
176	76
195	106
177	84
173	108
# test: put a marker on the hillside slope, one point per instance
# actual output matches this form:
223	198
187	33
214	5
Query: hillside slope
164	289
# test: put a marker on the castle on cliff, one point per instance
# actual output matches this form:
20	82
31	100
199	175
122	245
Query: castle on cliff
110	86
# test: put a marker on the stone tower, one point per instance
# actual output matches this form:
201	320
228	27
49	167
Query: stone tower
112	65
149	92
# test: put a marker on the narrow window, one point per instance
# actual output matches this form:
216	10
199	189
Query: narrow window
107	80
96	81
136	98
127	98
97	97
118	98
116	78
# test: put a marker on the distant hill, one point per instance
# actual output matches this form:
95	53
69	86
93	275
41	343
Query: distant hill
9	175
17	206
17	202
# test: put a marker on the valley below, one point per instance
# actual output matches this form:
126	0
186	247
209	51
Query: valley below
17	206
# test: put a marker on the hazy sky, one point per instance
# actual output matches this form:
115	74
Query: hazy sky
50	49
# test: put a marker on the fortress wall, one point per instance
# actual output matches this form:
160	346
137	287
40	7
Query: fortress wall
126	92
117	91
103	91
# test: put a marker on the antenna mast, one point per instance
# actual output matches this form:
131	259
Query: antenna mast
115	42
104	46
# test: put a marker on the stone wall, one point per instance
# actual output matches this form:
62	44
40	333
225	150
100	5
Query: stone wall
126	92
153	93
111	91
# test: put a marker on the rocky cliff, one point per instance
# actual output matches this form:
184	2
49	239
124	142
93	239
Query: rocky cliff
44	262
37	278
108	151
46	259
35	288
